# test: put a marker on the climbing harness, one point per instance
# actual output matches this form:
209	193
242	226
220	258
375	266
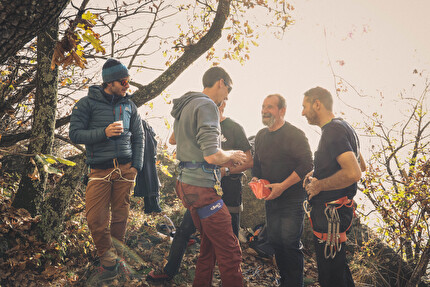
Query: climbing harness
206	167
210	209
333	238
108	177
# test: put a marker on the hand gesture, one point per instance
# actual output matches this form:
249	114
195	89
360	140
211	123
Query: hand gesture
306	179
237	157
313	187
276	189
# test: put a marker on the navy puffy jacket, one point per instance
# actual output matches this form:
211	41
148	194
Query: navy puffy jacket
90	117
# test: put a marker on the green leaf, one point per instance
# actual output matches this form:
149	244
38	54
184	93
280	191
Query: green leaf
53	170
65	161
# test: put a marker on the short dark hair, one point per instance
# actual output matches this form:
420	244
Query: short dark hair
322	95
215	74
281	100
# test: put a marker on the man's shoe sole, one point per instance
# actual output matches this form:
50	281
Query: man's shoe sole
159	278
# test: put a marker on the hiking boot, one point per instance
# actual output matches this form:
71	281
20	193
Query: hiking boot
158	276
125	271
102	274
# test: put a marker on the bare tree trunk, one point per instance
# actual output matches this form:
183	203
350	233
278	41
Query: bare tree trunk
31	191
21	21
421	267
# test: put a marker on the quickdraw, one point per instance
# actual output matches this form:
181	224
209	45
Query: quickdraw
332	241
333	238
217	185
308	208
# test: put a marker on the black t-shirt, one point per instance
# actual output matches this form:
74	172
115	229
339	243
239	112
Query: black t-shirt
233	136
337	137
278	154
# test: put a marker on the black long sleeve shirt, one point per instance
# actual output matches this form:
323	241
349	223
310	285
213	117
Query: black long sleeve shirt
278	154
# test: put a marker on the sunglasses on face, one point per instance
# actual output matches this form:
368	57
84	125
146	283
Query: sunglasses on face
123	82
229	88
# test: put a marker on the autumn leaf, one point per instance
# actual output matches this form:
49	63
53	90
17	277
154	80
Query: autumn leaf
35	174
166	123
164	169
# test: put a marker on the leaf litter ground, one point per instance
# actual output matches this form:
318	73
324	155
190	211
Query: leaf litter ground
26	261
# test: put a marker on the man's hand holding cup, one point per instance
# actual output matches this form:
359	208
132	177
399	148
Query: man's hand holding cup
114	129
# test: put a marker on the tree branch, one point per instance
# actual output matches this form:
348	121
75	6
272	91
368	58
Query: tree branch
152	90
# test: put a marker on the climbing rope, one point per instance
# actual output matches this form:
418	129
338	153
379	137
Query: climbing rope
109	175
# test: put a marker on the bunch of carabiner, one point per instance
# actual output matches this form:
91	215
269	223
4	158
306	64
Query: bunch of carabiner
332	244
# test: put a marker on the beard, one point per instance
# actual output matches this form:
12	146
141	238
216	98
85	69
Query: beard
120	93
268	120
312	117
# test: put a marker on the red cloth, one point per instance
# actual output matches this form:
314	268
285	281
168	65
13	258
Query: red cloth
259	189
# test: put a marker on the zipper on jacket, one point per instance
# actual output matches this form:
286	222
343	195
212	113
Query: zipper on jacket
116	140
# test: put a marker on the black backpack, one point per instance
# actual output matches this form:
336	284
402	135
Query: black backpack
259	242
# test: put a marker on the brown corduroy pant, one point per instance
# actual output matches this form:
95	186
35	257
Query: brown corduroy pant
107	202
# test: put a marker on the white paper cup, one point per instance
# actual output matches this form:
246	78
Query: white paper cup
120	122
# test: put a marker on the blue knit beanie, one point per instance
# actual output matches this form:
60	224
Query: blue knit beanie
114	70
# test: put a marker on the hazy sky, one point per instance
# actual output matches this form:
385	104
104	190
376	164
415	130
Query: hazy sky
373	44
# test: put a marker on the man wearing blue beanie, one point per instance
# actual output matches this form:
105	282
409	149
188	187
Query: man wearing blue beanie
109	125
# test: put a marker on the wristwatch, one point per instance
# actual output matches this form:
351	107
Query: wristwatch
227	171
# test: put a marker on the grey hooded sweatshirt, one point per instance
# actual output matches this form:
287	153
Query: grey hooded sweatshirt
197	134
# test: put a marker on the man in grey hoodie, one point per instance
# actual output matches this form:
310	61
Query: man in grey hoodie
197	133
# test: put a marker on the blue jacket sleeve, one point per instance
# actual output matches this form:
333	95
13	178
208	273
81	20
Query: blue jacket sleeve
79	122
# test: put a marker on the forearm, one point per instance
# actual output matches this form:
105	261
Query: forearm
246	165
218	158
240	168
277	189
291	180
339	180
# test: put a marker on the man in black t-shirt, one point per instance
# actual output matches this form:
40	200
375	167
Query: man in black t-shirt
283	157
233	138
331	187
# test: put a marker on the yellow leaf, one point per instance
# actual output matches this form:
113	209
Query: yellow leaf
166	123
51	161
166	171
65	161
89	16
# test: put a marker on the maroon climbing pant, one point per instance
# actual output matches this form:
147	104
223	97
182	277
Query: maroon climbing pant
218	242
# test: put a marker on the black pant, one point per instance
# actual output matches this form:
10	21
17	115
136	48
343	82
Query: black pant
332	272
232	197
179	244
